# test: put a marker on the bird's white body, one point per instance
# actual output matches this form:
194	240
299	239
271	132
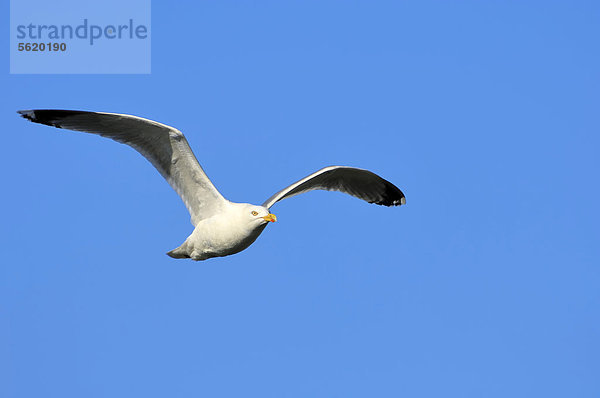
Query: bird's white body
229	232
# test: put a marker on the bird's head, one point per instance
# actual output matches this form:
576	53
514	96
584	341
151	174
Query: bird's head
256	215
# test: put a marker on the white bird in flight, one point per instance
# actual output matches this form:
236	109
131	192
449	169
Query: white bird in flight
221	227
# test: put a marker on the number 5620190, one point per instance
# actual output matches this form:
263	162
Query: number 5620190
42	46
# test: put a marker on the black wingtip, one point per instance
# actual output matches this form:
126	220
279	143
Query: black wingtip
49	117
27	114
393	202
392	196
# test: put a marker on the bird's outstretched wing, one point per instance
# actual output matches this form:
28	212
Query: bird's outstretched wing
360	183
165	147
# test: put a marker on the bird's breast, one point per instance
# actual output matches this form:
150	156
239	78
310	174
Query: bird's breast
222	238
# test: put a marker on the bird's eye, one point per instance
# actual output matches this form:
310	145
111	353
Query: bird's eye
254	213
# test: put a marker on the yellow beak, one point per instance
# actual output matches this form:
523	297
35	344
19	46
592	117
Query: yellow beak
270	217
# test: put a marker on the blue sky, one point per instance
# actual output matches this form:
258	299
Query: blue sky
485	285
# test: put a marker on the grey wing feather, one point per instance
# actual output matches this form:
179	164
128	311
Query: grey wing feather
359	183
164	146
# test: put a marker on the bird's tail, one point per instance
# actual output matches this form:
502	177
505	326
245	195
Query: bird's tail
180	252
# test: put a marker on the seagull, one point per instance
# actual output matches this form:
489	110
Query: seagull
221	227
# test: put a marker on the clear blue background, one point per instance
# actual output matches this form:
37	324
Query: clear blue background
485	285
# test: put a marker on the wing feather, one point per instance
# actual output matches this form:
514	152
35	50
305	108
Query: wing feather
359	183
164	146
